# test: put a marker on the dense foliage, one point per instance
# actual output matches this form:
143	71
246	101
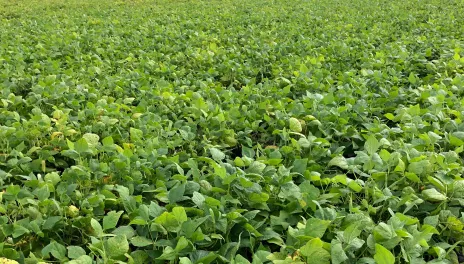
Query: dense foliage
232	131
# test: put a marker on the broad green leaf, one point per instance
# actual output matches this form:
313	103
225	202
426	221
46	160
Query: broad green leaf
128	231
372	145
111	219
181	244
42	193
437	183
198	198
353	185
383	232
52	177
135	134
419	167
108	141
168	254
81	146
412	177
217	154
75	252
299	165
329	98
389	116
184	260
84	259
433	195
239	259
97	228
412	78
50	223
339	161
258	197
432	220
140	241
168	220
326	213
19	230
176	193
179	214
55	249
458	189
383	255
316	227
117	246
337	253
315	252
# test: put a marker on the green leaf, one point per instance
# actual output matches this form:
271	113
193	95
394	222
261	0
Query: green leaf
372	145
458	189
239	259
108	141
19	230
412	177
184	260
168	220
217	154
181	244
180	214
52	177
81	146
437	183
329	98
433	195
353	185
117	246
339	161
258	197
419	167
140	241
176	193
295	125
92	139
135	134
51	222
75	252
383	232
316	227
97	228
401	166
299	165
111	219
128	231
337	253
412	78
81	260
389	116
57	250
43	193
383	255
168	254
198	199
315	253
432	220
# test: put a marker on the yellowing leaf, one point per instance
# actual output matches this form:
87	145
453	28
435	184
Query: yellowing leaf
295	125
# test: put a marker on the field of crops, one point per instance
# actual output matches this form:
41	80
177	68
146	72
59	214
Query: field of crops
232	131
